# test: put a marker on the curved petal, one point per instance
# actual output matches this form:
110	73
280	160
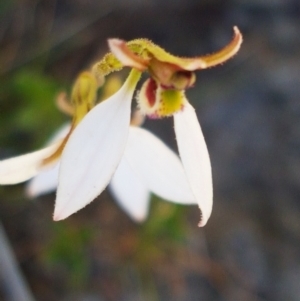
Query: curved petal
94	151
157	166
140	53
195	158
222	55
45	182
130	193
22	168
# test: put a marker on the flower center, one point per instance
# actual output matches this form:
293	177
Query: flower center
156	101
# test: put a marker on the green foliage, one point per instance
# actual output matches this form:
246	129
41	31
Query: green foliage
5	6
68	251
28	106
166	220
162	233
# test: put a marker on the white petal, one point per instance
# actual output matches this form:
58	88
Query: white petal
158	166
45	182
130	193
19	169
94	151
195	158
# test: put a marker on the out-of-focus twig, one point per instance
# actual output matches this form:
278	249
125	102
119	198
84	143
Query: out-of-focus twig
56	39
11	279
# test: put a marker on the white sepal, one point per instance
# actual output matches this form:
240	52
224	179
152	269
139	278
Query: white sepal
158	167
93	152
195	158
129	192
22	168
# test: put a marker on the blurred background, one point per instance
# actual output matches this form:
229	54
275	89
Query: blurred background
249	110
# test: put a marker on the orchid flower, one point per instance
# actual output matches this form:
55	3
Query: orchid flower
100	140
131	184
102	145
162	173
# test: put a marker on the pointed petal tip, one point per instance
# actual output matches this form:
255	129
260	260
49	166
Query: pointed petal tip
202	222
226	52
205	215
58	216
139	219
55	219
236	30
61	212
205	212
237	37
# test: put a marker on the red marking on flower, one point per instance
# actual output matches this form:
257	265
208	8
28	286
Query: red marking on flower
151	92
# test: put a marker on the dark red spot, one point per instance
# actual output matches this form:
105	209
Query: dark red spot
151	91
